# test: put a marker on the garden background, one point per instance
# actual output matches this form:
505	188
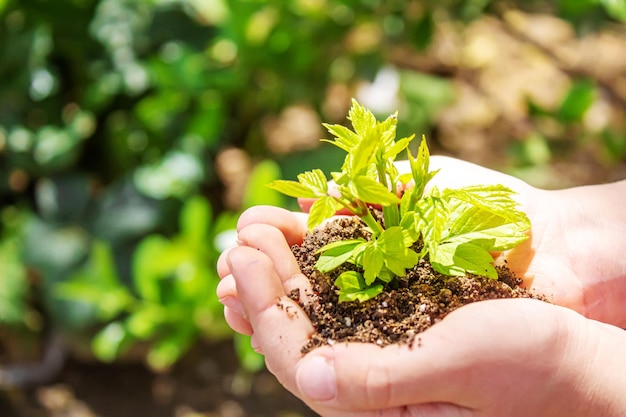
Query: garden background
132	133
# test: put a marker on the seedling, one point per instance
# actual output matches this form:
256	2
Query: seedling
454	229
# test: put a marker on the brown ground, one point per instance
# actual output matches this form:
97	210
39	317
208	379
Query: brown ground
206	383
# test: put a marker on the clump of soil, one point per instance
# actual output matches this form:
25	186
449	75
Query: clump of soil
401	312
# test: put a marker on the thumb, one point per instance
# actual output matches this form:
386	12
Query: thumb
451	363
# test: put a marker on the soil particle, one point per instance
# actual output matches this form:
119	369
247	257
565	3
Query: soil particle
419	300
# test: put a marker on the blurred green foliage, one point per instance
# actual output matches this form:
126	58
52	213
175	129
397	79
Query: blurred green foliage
114	114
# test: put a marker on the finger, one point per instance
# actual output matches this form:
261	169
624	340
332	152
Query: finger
271	241
440	410
292	225
222	266
280	326
233	310
452	362
237	321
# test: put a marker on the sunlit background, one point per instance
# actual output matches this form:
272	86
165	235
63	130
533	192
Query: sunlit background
132	133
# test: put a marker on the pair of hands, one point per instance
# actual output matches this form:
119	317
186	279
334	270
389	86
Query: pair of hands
493	358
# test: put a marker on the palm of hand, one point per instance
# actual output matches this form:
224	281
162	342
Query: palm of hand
556	260
365	380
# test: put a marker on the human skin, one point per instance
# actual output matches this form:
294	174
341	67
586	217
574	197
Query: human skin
574	253
492	358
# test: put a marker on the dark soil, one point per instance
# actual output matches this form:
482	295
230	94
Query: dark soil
399	314
208	382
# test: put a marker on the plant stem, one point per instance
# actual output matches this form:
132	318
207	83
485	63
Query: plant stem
371	222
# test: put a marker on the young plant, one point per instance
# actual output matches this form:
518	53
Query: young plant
455	229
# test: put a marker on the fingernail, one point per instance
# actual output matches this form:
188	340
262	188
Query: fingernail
232	303
316	379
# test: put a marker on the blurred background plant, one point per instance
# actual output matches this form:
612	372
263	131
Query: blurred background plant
132	133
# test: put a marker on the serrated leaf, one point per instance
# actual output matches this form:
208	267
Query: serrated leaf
431	216
420	168
323	208
372	262
398	147
453	259
387	132
315	181
360	157
371	191
345	138
496	199
393	243
352	287
488	230
362	119
292	189
335	254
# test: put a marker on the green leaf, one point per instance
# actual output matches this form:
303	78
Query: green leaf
420	169
431	216
371	191
352	287
345	138
386	132
292	189
496	199
249	359
335	254
457	259
578	100
256	193
315	180
398	147
168	350
362	119
144	322
195	220
488	230
615	8
323	208
372	261
310	184
110	342
393	244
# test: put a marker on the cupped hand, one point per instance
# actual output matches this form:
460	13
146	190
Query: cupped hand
574	251
493	358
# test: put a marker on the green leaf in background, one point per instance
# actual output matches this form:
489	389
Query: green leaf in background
14	310
153	259
250	360
110	342
195	220
578	100
615	9
257	192
165	352
97	283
